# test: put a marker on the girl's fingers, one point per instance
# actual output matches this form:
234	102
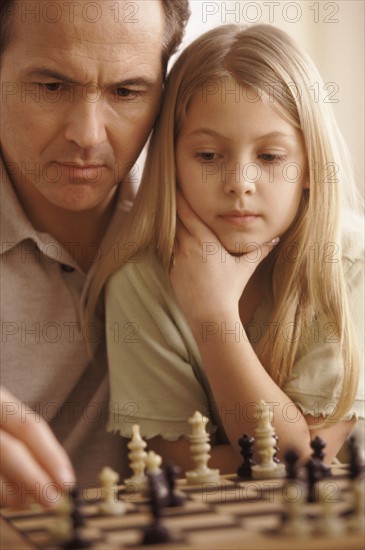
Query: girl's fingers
191	221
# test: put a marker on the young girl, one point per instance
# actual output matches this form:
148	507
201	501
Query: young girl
253	291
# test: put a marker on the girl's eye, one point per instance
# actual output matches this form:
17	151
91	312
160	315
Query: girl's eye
207	156
270	157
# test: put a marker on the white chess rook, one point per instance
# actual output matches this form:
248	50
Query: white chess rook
200	448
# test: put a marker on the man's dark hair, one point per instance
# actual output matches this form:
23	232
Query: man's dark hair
177	14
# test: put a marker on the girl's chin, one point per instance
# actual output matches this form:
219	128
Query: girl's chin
242	248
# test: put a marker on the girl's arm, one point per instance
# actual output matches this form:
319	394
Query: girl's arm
208	285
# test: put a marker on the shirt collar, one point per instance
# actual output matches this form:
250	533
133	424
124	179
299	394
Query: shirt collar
15	226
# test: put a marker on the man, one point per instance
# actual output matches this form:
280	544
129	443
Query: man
81	85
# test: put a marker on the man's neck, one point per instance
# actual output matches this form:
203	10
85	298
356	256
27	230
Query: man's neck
80	233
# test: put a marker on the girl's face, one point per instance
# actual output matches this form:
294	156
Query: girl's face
240	166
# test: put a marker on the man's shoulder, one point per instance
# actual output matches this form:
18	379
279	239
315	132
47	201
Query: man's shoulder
15	226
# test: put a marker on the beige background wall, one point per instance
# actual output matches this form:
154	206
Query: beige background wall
331	32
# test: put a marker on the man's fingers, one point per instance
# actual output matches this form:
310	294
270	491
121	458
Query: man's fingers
26	435
23	479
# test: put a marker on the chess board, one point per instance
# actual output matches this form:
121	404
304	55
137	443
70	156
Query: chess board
233	514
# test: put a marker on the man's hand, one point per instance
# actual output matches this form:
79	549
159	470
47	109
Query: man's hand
34	466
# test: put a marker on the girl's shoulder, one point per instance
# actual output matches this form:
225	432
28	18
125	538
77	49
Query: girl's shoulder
141	271
353	244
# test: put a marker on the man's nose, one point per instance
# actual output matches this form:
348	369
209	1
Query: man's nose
86	124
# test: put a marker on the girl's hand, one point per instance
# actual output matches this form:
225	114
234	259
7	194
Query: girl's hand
207	280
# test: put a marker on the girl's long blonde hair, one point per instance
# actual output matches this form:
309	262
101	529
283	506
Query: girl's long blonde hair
265	59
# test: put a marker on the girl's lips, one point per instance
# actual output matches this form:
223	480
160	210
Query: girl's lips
239	218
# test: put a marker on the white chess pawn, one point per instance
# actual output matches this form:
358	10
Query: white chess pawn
61	526
294	500
110	505
329	523
137	457
153	462
265	443
356	521
200	447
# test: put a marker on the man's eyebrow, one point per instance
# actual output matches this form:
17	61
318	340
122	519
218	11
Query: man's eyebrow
49	73
56	75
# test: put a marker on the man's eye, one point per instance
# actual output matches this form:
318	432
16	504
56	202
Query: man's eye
207	156
127	93
52	86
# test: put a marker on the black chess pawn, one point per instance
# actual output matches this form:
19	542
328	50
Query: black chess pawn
77	540
156	532
314	475
318	455
355	466
175	498
245	469
291	459
276	449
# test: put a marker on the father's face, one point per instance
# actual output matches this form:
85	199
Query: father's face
81	85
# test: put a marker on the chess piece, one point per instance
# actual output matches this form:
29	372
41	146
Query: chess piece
156	532
153	470
291	459
77	539
318	455
137	456
61	527
110	505
356	518
314	474
276	449
265	444
355	466
328	523
175	497
153	462
199	446
294	522
245	469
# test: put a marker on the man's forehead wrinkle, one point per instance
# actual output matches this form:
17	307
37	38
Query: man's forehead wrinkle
125	57
121	53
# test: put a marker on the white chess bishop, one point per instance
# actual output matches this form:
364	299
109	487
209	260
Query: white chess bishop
200	447
265	443
137	457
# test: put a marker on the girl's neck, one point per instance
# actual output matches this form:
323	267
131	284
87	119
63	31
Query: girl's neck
255	291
